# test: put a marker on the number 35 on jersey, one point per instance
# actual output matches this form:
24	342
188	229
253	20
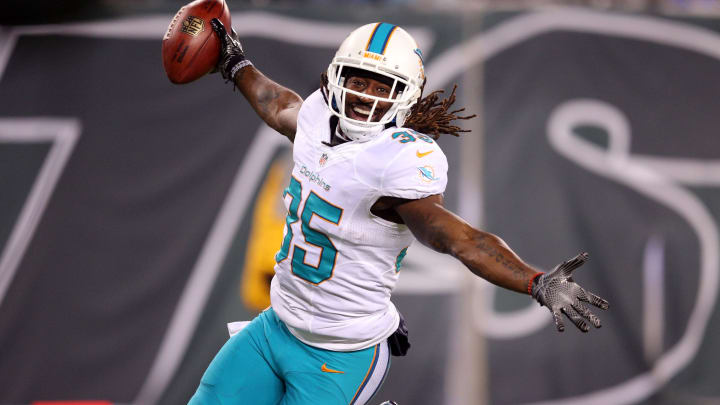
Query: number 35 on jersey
303	211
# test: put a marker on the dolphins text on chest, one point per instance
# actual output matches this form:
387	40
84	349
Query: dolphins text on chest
315	178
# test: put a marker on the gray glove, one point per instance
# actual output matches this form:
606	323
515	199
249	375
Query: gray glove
232	57
559	292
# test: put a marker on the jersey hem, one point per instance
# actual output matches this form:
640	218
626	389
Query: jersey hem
306	338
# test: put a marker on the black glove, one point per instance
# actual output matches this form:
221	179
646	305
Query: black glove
398	342
232	57
557	291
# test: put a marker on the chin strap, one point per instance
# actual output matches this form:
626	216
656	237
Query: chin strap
340	135
359	133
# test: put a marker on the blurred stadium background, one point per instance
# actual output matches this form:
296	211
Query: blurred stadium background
137	217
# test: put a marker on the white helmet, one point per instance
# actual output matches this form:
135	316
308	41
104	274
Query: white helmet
383	49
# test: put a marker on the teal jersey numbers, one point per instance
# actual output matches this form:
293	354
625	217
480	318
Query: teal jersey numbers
411	136
295	191
403	136
313	206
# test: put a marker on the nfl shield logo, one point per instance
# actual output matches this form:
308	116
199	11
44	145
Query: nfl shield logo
323	159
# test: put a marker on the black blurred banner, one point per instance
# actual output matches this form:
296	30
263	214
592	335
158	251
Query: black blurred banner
601	136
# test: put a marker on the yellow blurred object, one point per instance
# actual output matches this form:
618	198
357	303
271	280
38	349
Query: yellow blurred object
266	233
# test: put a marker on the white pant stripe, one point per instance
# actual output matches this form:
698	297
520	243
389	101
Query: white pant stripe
374	381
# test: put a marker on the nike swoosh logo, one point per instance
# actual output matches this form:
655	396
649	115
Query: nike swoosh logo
329	370
421	154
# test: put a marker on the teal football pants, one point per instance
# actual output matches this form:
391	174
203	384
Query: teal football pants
264	364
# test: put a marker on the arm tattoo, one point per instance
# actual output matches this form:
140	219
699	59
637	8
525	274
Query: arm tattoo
266	99
483	243
437	239
433	232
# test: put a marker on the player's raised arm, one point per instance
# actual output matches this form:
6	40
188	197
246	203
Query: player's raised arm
277	105
489	257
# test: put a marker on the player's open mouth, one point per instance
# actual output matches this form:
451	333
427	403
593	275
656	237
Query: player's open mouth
361	112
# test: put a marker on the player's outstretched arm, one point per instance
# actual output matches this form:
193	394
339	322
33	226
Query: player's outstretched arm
278	106
489	257
483	253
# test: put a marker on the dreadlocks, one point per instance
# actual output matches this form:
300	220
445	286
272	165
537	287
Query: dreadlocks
430	116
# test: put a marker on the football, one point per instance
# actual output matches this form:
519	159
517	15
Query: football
190	48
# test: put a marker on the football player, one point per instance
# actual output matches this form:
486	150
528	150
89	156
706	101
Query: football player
368	178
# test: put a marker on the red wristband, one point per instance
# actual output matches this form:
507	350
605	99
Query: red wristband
530	283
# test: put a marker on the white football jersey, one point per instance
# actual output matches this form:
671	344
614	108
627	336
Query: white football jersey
339	263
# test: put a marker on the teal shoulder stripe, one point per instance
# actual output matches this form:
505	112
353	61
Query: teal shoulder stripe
380	38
